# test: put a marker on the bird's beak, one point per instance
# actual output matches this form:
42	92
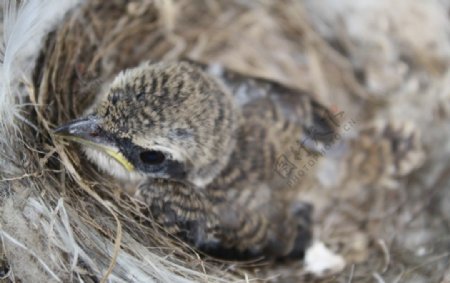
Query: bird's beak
87	132
85	129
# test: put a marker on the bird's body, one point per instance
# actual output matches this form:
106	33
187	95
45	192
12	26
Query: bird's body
206	147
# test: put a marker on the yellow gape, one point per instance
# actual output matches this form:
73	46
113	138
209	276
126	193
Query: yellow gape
120	158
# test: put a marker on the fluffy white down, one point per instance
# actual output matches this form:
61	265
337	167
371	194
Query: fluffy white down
108	165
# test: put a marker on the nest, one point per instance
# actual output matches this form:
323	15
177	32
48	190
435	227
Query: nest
62	220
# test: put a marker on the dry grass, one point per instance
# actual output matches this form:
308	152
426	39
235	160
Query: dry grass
62	220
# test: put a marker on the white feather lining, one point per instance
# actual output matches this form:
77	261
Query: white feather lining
25	25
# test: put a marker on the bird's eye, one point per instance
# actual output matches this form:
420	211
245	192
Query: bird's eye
152	157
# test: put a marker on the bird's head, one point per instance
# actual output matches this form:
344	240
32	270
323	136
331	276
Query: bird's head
163	121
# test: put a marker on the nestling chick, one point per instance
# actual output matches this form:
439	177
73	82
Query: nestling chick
206	158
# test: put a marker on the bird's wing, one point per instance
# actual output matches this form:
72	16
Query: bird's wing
318	123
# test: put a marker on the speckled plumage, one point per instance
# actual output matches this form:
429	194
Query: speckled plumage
158	105
222	136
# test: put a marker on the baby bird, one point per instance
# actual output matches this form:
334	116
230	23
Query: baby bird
207	150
